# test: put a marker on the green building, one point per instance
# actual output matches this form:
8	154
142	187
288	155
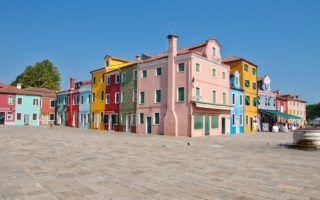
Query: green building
128	98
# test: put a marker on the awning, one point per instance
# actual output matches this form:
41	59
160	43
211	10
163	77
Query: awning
278	113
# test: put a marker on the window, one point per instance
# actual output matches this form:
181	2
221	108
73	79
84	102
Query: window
123	96
68	98
144	73
123	119
52	103
101	117
133	119
123	77
254	101
158	96
259	100
92	117
265	101
254	85
198	122
246	67
248	100
213	51
102	78
94	80
10	100
35	102
181	67
237	80
34	116
141	98
89	98
18	116
197	67
82	99
241	120
214	72
247	83
214	97
107	98
65	100
158	71
254	70
117	78
102	96
135	75
240	99
75	100
223	75
181	94
134	95
9	116
198	94
106	119
247	119
214	121
233	98
224	96
116	99
108	80
141	118
156	118
233	120
51	117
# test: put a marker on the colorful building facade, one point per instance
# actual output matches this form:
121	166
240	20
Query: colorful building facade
296	107
237	103
84	104
184	92
98	105
7	104
27	109
61	108
248	81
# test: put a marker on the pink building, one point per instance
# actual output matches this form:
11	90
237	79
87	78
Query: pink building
184	92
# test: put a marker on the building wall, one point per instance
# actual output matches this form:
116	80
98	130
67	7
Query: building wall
61	109
282	105
73	110
46	110
250	111
264	98
7	108
297	108
27	108
238	111
84	107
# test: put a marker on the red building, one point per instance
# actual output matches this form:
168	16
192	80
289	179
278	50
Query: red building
48	103
73	105
7	104
113	98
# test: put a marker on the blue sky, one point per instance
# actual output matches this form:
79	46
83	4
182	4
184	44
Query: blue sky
281	37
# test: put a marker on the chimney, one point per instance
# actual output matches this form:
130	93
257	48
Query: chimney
138	58
170	118
71	83
19	86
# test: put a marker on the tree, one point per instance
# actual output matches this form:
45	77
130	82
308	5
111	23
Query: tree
43	74
313	111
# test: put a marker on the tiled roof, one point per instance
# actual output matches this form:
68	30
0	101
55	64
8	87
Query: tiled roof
14	90
236	58
3	84
291	97
42	91
119	59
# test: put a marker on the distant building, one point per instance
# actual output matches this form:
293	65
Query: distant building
297	107
84	104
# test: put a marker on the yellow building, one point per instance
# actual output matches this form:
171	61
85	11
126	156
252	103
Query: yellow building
248	80
98	89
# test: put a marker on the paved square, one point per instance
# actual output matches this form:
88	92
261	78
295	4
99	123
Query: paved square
68	163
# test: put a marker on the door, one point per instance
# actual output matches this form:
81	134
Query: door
26	119
223	125
207	125
45	119
113	121
237	125
128	125
149	124
251	124
84	120
2	116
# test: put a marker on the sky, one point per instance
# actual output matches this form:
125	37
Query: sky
281	37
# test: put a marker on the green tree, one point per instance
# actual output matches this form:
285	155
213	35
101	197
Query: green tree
313	111
43	74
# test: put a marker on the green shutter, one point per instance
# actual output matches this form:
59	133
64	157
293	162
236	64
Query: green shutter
254	101
246	67
247	83
254	85
181	94
214	121
198	121
142	97
254	70
247	100
158	96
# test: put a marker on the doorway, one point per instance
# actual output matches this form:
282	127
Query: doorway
223	125
149	125
207	125
237	125
2	116
251	124
26	119
113	121
128	125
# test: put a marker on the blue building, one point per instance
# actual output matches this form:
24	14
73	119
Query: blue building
61	108
84	105
237	103
27	108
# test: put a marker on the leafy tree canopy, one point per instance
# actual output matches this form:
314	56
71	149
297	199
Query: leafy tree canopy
313	111
43	74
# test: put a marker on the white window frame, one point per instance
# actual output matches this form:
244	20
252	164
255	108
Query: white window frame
140	118
184	67
108	80
108	98
142	73
134	74
144	97
157	71
123	77
199	68
103	95
121	96
12	102
134	95
233	99
102	78
115	97
184	95
116	78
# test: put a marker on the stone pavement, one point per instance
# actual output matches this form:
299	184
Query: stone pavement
68	163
